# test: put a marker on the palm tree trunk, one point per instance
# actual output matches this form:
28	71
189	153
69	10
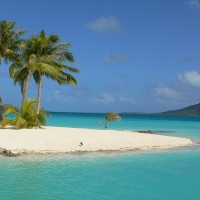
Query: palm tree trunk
106	125
39	94
25	90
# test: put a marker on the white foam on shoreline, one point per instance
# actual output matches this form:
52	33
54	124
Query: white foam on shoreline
62	140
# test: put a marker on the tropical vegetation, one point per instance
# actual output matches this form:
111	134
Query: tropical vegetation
10	41
111	116
43	56
25	117
38	56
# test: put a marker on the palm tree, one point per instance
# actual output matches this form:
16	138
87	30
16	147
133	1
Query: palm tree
26	117
43	56
111	116
55	74
21	70
10	41
54	53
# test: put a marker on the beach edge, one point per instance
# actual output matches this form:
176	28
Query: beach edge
56	140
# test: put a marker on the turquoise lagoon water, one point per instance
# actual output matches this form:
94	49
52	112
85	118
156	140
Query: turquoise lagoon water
182	126
156	174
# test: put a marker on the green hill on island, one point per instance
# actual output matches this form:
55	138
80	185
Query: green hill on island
190	110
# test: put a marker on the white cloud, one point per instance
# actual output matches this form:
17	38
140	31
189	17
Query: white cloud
110	23
190	78
116	58
130	100
105	98
194	4
179	94
166	92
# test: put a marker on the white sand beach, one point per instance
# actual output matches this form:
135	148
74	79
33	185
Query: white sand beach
61	140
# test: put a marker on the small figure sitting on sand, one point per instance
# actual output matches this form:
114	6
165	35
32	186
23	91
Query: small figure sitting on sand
81	144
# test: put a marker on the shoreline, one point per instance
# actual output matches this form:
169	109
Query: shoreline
52	140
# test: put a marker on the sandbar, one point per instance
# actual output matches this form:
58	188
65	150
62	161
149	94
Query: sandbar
64	140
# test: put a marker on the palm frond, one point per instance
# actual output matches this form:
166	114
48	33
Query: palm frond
6	122
20	122
20	77
41	55
9	40
16	66
41	116
26	117
65	67
10	109
28	106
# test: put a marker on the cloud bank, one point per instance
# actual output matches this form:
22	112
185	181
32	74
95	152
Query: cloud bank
166	92
190	78
181	93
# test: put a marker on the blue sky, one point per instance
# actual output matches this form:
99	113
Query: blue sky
133	55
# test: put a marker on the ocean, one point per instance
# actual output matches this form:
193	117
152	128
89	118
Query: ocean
168	174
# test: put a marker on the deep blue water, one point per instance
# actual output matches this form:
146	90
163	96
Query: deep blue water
156	174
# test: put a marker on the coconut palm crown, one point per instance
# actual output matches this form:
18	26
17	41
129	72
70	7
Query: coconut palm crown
43	56
25	117
111	116
10	41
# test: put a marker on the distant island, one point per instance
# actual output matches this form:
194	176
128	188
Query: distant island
190	110
193	110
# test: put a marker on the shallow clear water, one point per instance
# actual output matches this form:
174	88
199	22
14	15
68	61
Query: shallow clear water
182	126
156	174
